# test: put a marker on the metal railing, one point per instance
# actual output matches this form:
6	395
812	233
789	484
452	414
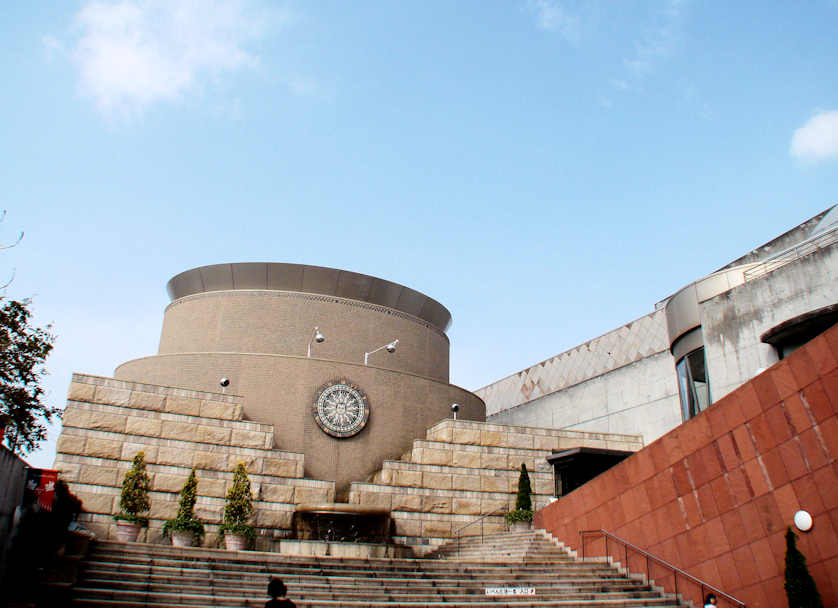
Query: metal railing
676	572
800	250
480	519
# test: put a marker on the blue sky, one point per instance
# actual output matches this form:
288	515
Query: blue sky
546	169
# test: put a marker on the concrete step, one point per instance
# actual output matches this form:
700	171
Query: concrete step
120	575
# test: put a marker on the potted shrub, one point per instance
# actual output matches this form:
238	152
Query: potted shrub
186	530
521	517
238	510
133	501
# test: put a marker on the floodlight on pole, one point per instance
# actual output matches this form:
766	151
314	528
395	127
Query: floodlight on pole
391	348
316	336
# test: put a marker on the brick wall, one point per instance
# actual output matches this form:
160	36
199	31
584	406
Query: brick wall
714	496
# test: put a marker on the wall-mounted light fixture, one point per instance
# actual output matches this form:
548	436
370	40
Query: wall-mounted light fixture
316	336
455	407
803	521
391	348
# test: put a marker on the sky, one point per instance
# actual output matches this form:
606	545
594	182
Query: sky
546	169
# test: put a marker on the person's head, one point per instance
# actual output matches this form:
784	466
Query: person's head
276	588
711	599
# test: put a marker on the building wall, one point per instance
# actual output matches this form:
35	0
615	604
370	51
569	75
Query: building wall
732	322
621	382
281	322
281	390
715	495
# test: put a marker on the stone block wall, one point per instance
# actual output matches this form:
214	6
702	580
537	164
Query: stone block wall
108	421
715	495
463	470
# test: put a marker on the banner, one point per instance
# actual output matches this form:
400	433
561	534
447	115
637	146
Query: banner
42	483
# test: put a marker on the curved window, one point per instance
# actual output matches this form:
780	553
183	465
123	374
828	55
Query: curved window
693	383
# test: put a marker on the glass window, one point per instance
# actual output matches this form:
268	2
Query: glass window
693	383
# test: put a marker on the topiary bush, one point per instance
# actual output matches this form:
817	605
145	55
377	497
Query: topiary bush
185	521
134	497
800	586
238	508
523	501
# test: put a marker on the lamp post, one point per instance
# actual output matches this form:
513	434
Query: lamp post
391	348
316	336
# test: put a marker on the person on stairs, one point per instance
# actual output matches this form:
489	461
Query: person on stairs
278	591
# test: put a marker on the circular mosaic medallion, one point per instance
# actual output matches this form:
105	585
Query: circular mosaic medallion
341	408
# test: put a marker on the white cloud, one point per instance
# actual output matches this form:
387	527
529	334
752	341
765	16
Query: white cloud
134	53
656	45
817	139
551	16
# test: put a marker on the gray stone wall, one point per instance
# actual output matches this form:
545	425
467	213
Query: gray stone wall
733	322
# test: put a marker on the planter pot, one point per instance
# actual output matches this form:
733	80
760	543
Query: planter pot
183	539
127	531
234	542
520	526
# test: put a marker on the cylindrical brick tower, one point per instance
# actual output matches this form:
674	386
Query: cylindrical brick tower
253	324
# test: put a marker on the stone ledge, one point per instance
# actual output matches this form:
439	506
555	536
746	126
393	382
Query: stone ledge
148	414
69	464
69	443
154	388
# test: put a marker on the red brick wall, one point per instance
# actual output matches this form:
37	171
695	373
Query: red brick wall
714	496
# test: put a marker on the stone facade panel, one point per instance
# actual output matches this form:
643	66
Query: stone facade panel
408	479
98	503
467	482
273	519
376	499
406	502
103	448
492	438
248	439
212	487
113	396
183	405
303	495
147	401
469	459
97	476
492	483
279	467
218	409
139	425
174	456
80	392
70	444
216	435
180	430
437	481
408	527
493	461
433	528
277	493
436	504
466	506
212	461
434	456
129	450
168	483
466	436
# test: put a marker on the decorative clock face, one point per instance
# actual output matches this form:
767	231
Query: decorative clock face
341	409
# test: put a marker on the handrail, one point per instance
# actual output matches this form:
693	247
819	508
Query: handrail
821	241
675	570
478	519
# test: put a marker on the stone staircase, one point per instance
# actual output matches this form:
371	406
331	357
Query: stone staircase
120	575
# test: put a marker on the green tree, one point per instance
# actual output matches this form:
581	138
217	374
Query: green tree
23	349
134	497
800	586
238	508
523	501
186	520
